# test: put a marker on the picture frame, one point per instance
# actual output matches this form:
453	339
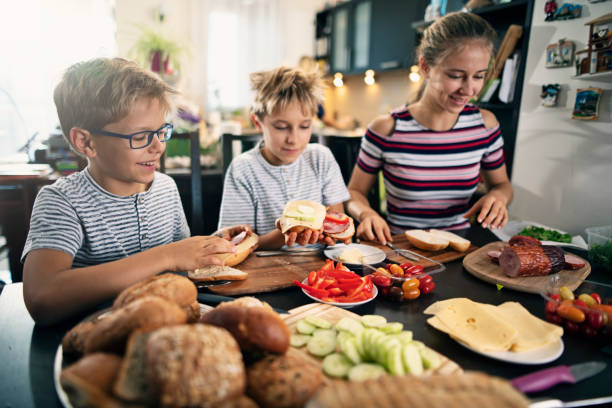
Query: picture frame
560	54
586	106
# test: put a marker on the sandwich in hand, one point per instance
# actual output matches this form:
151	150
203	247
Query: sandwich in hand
245	240
301	215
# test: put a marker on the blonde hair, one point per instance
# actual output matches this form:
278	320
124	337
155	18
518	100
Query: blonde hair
94	93
276	89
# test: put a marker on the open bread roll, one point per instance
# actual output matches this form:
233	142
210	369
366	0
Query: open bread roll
425	240
300	215
245	242
455	241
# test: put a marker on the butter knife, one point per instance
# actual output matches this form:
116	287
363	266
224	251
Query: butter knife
295	252
404	252
413	256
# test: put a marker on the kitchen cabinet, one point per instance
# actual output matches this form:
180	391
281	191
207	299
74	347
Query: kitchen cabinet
364	34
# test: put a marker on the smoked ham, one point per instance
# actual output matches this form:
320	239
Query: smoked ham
531	260
524	240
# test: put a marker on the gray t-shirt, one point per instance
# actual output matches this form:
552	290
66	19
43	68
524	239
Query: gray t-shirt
255	192
77	216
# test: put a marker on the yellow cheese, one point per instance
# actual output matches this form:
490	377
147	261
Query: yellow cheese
474	325
353	256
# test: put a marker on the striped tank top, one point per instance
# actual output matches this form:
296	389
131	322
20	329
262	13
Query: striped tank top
430	176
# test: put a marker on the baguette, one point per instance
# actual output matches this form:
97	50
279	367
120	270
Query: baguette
216	272
425	240
456	242
170	286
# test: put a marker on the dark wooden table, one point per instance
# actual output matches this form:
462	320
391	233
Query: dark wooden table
27	351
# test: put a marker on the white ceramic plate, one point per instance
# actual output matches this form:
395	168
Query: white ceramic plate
514	227
540	355
342	304
371	255
57	370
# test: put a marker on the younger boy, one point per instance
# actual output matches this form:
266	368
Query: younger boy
284	166
118	221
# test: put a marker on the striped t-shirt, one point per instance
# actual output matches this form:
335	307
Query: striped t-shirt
255	192
77	216
430	176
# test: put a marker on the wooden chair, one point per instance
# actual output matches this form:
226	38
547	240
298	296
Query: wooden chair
247	140
197	219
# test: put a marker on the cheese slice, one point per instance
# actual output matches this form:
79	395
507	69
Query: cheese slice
532	333
474	325
304	213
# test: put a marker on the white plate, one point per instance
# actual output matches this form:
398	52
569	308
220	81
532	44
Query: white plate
57	370
514	227
371	255
342	304
540	355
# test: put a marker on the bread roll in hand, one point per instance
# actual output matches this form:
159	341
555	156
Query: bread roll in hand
245	240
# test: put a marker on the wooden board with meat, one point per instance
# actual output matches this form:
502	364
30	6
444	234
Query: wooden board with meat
531	266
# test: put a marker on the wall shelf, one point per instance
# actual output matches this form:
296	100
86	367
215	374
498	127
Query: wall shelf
605	76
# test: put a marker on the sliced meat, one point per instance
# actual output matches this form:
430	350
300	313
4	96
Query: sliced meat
331	227
524	240
239	238
494	256
556	257
524	260
573	262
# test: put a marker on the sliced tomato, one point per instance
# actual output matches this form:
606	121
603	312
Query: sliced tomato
337	218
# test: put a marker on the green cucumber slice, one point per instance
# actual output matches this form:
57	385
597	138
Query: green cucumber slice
392	328
300	217
373	321
299	340
394	361
318	322
365	371
305	209
352	326
303	327
349	347
412	360
371	339
321	345
336	365
386	344
405	336
431	360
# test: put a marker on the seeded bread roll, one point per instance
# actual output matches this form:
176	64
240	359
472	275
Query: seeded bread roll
148	312
89	381
194	365
255	328
172	287
283	381
73	342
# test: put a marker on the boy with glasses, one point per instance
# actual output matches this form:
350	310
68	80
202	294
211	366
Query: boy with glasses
94	233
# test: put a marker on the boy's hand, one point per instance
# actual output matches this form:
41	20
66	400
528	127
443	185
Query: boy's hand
196	252
324	239
305	237
373	227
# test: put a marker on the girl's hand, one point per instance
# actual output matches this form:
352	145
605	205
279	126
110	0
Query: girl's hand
373	227
229	232
491	209
196	252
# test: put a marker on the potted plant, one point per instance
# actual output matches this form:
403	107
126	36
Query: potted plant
157	52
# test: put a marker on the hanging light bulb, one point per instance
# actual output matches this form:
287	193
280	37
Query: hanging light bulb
414	74
338	82
369	77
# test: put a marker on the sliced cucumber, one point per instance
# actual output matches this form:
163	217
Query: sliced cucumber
321	345
412	360
300	217
303	327
299	340
365	371
349	325
394	361
324	332
371	339
336	365
342	336
387	343
373	321
349	347
430	358
392	328
405	336
419	344
318	322
305	209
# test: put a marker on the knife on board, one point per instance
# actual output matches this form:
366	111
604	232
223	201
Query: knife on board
545	379
414	256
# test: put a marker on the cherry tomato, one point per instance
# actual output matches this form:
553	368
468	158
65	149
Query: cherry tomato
428	287
414	270
412	293
396	270
383	272
587	331
569	312
551	306
385	291
406	265
556	296
410	284
396	294
566	293
580	303
425	279
595	319
596	297
587	299
381	281
571	327
388	266
554	318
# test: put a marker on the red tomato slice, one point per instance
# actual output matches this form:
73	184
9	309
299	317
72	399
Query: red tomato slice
337	218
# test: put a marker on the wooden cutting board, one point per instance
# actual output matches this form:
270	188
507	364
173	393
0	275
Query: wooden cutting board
478	264
333	314
270	273
400	241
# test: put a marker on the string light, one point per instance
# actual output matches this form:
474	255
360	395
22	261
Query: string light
338	82
369	77
414	74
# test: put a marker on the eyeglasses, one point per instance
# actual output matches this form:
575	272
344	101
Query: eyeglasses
140	140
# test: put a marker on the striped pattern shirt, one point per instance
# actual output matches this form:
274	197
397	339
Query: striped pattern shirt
430	176
255	192
77	216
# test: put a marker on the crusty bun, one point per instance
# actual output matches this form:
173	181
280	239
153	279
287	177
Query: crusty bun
148	312
132	383
89	381
170	286
255	328
243	250
283	381
216	272
73	342
455	241
425	240
194	365
300	215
